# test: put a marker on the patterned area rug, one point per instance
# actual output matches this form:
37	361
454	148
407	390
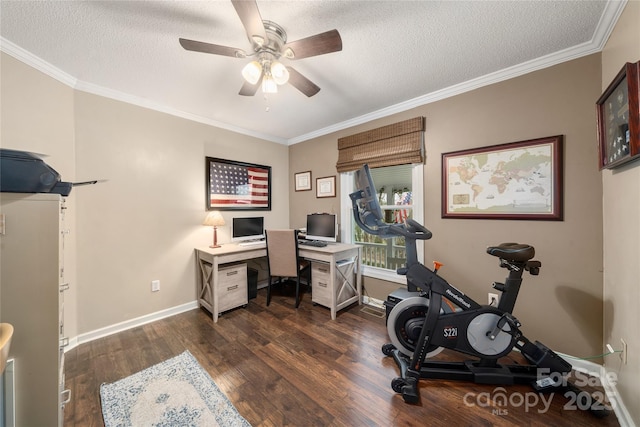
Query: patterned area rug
176	392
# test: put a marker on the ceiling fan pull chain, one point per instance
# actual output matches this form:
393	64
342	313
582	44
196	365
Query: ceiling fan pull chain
266	101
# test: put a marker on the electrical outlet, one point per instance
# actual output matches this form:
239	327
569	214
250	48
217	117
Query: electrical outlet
623	355
155	285
493	299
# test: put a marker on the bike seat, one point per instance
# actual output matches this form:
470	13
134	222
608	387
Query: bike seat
517	252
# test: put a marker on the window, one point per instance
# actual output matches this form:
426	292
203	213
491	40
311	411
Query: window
400	190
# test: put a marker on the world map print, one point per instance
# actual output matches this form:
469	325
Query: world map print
517	180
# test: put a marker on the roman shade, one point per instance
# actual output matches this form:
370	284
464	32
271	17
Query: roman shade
396	144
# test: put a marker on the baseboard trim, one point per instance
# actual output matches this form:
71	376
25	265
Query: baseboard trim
593	369
372	301
610	389
128	324
619	408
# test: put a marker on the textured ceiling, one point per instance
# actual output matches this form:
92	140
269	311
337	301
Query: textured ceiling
396	54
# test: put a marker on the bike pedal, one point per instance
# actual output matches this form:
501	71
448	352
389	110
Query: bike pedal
544	385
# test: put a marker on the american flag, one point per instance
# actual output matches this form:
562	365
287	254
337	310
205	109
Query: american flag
401	215
238	186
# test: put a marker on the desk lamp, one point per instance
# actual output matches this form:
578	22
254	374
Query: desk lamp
214	219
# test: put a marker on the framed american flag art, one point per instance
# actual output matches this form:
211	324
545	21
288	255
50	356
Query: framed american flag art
235	185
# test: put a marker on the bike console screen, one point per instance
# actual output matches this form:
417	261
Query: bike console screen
368	197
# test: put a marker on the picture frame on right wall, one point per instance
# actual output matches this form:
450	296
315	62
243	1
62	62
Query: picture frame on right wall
519	180
618	119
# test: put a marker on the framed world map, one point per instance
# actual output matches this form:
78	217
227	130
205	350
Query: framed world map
519	180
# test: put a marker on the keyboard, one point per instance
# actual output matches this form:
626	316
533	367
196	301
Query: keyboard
251	243
316	243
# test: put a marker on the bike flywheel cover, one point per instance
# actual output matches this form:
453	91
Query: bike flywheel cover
403	325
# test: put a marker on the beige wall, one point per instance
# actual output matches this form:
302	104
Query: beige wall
320	159
143	222
622	230
37	116
562	307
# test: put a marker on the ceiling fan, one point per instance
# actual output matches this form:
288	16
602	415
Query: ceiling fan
269	43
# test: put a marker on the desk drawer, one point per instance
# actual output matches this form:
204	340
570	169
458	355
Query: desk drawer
321	283
232	287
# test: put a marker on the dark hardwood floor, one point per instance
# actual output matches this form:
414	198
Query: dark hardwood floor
281	366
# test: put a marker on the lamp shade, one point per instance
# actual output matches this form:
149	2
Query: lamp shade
269	85
279	73
252	72
214	219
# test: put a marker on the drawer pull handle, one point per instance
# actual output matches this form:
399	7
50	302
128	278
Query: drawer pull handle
324	270
231	273
322	284
230	288
64	287
64	342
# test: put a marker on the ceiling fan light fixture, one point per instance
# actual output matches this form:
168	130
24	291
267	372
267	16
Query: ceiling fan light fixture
259	40
279	73
269	43
252	72
289	53
269	84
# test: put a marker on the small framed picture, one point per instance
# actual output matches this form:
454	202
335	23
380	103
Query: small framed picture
326	186
618	119
303	181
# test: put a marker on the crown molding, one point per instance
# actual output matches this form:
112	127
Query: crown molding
469	85
145	103
608	20
33	61
610	16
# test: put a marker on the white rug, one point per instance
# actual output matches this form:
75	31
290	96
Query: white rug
176	392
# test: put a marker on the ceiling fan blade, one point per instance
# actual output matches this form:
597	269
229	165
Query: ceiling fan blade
302	83
248	89
212	48
251	20
319	44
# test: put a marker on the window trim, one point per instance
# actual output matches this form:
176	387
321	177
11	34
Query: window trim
346	229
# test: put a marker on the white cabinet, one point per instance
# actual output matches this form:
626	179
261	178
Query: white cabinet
232	289
31	299
333	293
221	282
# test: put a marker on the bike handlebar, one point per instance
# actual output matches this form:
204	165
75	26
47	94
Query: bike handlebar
417	230
411	229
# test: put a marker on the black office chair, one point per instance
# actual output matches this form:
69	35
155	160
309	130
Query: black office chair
284	261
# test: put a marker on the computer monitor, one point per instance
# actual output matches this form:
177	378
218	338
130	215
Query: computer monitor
322	226
246	229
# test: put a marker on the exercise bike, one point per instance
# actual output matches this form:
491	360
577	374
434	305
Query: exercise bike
436	316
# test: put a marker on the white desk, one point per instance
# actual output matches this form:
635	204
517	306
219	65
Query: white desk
209	260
